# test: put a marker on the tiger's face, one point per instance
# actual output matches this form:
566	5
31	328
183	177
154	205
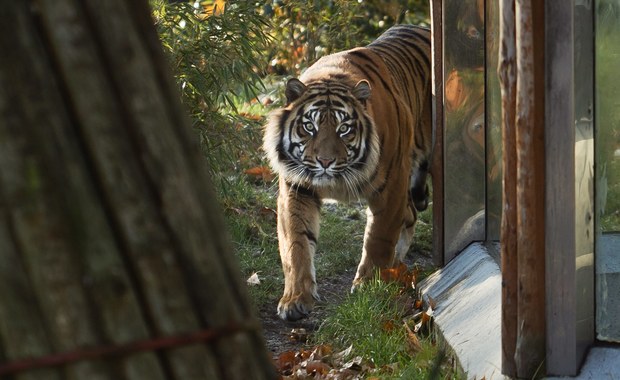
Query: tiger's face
324	137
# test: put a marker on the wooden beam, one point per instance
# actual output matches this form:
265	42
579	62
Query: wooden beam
437	161
507	74
521	71
530	345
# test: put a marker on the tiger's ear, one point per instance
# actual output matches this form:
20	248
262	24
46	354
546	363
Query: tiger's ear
294	89
361	91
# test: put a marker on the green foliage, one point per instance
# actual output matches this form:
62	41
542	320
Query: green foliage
307	30
217	54
222	53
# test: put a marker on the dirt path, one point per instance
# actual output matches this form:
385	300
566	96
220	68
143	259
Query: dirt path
332	290
278	332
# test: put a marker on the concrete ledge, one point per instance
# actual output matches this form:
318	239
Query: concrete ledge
602	363
467	293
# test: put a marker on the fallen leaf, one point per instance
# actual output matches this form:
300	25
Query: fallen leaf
321	351
431	302
253	280
286	362
388	326
260	173
317	367
417	304
343	354
298	335
412	339
401	275
354	364
426	317
303	355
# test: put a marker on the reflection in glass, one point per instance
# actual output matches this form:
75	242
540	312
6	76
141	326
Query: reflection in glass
493	125
584	170
464	133
608	169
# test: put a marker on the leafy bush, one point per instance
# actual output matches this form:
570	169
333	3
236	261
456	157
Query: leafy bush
216	50
307	30
222	53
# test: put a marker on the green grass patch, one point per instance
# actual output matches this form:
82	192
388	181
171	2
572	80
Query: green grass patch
371	321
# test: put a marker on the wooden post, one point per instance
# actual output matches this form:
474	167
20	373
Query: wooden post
437	162
521	71
110	234
508	81
530	349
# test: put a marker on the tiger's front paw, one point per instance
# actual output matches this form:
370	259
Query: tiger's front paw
293	308
358	283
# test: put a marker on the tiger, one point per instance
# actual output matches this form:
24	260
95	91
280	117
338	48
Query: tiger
356	126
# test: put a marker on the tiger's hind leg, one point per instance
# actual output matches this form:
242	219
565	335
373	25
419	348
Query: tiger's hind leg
418	191
385	216
406	233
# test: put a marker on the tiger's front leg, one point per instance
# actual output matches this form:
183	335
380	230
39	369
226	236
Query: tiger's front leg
298	231
386	218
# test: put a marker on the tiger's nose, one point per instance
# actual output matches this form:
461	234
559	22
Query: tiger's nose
325	162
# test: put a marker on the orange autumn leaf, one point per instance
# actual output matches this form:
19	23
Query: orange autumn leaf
260	173
251	116
412	339
400	274
317	367
322	351
213	8
388	325
286	361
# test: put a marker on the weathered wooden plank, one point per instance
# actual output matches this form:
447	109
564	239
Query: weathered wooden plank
437	165
106	197
170	159
108	133
33	196
22	330
562	353
106	278
530	348
507	74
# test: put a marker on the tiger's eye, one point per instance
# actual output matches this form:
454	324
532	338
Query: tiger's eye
344	129
309	127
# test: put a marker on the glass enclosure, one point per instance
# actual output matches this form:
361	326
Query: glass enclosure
583	95
607	92
473	154
464	117
493	125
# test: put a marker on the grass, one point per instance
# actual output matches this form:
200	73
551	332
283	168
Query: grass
371	321
361	319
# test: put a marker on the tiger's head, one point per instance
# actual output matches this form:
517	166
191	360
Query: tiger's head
324	137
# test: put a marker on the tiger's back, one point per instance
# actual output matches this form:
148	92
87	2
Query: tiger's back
357	124
406	52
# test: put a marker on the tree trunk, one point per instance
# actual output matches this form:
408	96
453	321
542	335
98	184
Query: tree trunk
114	262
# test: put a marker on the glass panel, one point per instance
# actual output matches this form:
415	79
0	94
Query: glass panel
464	131
608	169
584	170
493	124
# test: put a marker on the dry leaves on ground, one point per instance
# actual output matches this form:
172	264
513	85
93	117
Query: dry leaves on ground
323	363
